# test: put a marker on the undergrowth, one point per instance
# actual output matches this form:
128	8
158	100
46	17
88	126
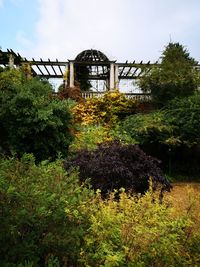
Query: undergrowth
49	219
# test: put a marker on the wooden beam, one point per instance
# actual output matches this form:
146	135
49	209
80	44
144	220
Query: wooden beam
54	70
46	69
35	64
130	69
59	67
50	76
123	68
134	72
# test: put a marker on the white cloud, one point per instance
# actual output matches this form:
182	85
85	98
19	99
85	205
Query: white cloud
67	27
122	29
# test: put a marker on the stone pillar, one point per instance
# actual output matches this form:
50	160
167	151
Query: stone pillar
116	76
11	61
71	74
65	76
112	76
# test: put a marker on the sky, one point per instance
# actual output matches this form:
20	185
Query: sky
121	29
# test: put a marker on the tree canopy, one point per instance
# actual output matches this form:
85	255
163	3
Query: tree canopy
31	120
174	77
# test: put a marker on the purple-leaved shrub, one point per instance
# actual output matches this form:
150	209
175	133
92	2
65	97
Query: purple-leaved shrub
113	165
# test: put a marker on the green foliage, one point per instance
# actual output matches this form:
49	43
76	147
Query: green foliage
104	110
171	134
138	232
144	128
184	116
31	120
177	124
49	219
175	77
9	78
39	210
89	136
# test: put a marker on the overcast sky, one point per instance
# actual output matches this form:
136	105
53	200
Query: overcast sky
122	29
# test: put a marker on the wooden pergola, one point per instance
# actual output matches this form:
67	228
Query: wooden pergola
44	69
99	66
55	68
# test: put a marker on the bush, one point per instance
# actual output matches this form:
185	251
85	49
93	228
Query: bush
184	116
104	110
138	232
89	136
171	134
35	202
49	219
144	128
114	166
32	121
177	124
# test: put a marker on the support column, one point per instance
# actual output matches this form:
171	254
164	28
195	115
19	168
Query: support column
116	76
107	85
11	61
112	76
65	76
71	74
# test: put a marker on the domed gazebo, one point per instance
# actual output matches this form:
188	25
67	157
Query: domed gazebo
98	66
91	56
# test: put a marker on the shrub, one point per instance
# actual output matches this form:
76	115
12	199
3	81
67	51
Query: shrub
113	166
89	136
171	134
32	121
49	219
145	128
35	223
177	124
138	232
67	92
184	116
104	110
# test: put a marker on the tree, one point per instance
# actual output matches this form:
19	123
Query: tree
184	116
31	120
174	77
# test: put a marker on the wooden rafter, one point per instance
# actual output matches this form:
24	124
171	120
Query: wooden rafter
59	67
123	69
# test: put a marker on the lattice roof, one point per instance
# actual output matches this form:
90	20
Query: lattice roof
91	55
